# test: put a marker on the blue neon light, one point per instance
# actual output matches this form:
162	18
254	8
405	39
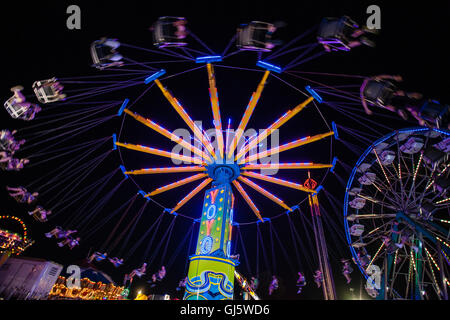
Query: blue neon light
318	189
335	130
333	164
314	94
124	105
114	137
269	66
208	59
142	193
123	171
154	76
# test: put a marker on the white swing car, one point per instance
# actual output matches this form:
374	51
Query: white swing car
169	32
48	91
255	36
104	54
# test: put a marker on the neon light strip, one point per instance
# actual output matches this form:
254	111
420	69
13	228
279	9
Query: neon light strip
159	152
382	168
124	105
431	258
375	256
166	133
214	97
247	199
247	114
287	146
177	184
197	189
277	124
281	182
417	168
185	116
167	170
155	76
293	165
264	192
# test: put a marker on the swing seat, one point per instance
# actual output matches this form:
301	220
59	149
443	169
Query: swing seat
168	32
335	33
102	54
46	91
15	111
367	178
255	36
364	167
357	230
379	92
435	113
433	156
444	145
357	203
387	157
412	146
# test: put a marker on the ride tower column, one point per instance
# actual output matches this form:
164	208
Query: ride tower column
211	270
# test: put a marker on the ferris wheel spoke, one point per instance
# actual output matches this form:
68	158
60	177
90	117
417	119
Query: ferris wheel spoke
247	114
158	128
248	199
159	152
277	124
187	119
278	181
287	146
197	189
264	192
214	97
177	184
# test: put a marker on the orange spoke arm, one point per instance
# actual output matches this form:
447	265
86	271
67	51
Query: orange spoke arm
293	165
247	114
199	188
287	146
160	129
159	152
281	182
185	116
277	124
177	184
166	170
264	192
214	97
247	199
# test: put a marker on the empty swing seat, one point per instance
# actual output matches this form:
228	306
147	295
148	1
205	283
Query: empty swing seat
435	113
104	54
387	157
357	203
336	32
367	178
169	32
379	92
412	146
255	36
357	230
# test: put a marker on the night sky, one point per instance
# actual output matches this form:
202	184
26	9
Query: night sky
37	45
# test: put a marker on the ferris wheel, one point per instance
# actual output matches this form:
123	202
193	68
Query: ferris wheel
396	214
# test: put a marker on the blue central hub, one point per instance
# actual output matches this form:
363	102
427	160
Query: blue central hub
223	173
